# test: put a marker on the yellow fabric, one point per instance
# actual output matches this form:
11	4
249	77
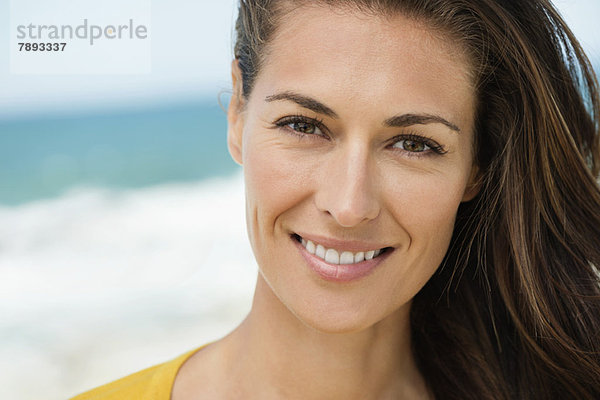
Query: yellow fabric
154	383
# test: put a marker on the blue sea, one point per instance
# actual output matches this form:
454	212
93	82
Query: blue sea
44	156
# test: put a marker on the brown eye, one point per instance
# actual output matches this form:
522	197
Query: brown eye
303	127
412	146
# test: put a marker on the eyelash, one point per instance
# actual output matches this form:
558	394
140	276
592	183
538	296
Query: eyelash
432	144
295	119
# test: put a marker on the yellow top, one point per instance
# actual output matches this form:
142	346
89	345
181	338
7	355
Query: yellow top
154	383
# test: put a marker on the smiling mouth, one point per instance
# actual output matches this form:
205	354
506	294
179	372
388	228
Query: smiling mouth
335	256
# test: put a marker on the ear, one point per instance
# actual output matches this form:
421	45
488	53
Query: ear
474	185
235	115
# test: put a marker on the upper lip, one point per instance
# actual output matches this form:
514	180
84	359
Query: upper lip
342	244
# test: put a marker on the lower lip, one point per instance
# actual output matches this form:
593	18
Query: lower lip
341	272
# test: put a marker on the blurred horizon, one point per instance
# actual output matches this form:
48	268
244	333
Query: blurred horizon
47	155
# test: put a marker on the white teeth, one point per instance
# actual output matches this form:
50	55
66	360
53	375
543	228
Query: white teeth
320	252
360	256
347	258
333	256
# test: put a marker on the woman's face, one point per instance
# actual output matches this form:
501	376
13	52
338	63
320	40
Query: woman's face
357	137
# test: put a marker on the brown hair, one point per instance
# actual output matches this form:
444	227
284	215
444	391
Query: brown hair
514	309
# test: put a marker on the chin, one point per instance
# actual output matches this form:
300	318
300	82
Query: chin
338	321
336	326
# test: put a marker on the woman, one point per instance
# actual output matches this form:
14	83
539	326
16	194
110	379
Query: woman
422	201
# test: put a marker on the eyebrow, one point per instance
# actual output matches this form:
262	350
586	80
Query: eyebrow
304	101
398	121
418	119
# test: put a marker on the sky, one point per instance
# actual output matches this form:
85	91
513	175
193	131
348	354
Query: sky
191	53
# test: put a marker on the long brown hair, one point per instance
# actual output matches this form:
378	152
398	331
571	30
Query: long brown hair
513	312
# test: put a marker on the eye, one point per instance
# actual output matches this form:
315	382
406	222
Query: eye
415	144
301	125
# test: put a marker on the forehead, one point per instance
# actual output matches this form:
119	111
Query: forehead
391	62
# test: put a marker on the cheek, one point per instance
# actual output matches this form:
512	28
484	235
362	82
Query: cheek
425	207
428	204
276	179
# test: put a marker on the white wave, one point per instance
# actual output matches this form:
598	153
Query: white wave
109	282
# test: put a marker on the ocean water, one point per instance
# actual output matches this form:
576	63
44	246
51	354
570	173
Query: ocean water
122	245
44	156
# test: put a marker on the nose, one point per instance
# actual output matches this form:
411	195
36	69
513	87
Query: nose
348	186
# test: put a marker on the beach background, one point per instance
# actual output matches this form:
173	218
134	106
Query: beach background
122	228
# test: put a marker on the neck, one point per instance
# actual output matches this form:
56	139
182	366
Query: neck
273	347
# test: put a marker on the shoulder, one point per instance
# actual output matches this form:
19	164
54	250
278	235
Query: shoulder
151	383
